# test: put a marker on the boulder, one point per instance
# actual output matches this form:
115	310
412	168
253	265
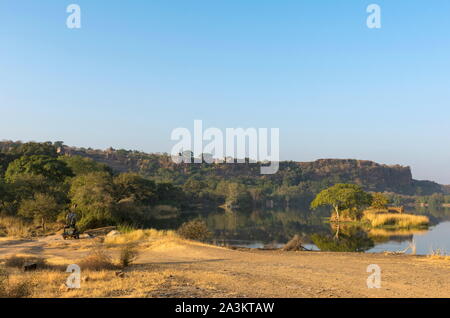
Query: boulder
113	233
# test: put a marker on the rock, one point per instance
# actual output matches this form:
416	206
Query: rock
113	233
29	267
120	274
295	244
63	288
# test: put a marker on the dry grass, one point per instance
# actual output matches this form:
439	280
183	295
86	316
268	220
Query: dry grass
16	287
97	260
15	227
139	236
18	261
396	220
128	255
94	284
439	254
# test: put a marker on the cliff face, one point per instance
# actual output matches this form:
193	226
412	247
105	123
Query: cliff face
322	173
372	176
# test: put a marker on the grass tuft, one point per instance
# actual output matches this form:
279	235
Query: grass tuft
97	260
439	254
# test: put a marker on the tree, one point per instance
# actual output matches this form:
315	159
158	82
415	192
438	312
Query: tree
379	201
168	193
36	148
94	195
81	165
342	197
238	196
3	194
49	167
133	187
5	160
42	208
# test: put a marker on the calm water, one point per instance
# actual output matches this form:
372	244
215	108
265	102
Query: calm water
260	229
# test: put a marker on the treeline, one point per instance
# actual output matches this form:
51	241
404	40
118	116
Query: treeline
41	181
436	200
38	184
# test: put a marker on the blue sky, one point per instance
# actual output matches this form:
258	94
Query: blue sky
138	69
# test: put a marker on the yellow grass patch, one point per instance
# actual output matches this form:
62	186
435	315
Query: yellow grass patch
140	236
396	220
14	227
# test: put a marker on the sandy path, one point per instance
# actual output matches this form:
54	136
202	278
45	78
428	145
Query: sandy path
219	272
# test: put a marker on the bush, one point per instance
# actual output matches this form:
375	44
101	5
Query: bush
97	260
19	261
196	230
128	255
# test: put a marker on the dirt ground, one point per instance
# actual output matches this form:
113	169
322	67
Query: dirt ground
176	268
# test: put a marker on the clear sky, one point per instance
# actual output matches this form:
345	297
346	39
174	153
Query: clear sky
138	69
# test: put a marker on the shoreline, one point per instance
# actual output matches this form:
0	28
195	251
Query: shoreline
179	268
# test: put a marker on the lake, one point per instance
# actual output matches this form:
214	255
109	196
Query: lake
272	229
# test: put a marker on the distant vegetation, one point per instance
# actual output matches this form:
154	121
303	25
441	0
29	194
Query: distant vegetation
352	200
40	182
39	186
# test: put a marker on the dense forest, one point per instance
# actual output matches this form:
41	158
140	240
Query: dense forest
41	181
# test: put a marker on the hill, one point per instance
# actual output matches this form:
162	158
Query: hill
304	176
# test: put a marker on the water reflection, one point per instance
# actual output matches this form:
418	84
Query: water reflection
274	228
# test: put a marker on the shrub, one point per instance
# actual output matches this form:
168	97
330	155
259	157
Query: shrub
20	261
97	260
128	255
196	230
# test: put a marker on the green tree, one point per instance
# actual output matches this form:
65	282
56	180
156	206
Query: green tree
379	201
169	193
342	197
36	148
49	167
42	208
133	187
94	195
81	165
5	160
238	196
